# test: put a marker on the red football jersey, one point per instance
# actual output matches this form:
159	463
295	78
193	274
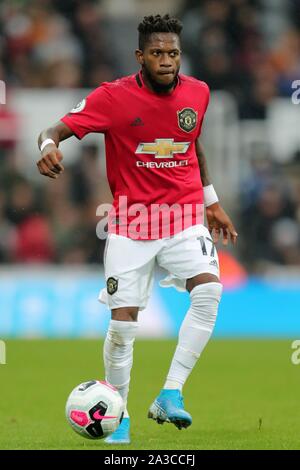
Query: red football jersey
152	167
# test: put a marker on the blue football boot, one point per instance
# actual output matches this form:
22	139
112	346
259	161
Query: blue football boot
121	435
168	407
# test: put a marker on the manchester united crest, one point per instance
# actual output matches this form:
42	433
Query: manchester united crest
112	285
187	119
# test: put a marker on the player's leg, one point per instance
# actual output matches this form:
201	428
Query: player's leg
118	349
205	292
118	359
129	278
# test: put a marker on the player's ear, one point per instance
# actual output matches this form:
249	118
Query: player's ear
139	56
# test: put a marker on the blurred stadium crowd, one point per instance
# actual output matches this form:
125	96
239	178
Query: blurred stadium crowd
250	48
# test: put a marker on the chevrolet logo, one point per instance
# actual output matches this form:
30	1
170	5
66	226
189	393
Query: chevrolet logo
163	148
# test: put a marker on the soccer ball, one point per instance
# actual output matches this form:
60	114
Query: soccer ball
94	409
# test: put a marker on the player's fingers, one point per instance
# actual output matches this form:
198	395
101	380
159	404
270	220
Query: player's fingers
52	163
233	239
210	228
44	170
48	163
56	166
41	170
55	170
233	233
43	167
216	234
225	236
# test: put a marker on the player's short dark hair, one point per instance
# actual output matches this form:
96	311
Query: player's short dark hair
157	24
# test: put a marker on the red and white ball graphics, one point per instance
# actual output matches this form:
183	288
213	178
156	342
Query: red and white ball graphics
94	409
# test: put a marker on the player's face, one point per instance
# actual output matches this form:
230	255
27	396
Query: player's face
160	59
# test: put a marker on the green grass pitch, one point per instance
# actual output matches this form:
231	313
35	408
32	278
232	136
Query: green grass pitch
243	394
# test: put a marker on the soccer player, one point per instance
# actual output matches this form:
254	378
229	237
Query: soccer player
155	162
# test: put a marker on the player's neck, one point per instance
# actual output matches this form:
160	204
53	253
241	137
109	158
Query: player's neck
156	87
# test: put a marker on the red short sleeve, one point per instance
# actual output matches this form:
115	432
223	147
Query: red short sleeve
92	114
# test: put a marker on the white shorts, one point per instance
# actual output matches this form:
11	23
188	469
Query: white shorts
129	264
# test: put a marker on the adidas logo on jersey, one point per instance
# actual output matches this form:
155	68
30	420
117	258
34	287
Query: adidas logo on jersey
137	122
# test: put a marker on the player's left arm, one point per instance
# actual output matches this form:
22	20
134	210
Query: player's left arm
217	219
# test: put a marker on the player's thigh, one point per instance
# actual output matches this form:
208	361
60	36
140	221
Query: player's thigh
128	273
124	254
125	313
202	278
189	255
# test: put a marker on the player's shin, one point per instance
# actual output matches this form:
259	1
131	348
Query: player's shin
195	332
118	355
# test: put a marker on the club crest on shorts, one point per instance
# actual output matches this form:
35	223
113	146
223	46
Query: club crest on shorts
187	119
112	285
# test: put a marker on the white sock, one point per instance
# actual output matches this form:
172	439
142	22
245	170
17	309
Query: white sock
194	333
118	356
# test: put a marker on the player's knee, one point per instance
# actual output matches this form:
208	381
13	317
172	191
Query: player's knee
206	295
205	300
121	333
118	345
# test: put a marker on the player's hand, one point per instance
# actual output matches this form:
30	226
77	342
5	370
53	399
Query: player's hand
49	164
218	221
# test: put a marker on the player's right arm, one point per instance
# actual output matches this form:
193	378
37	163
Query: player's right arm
92	114
49	163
